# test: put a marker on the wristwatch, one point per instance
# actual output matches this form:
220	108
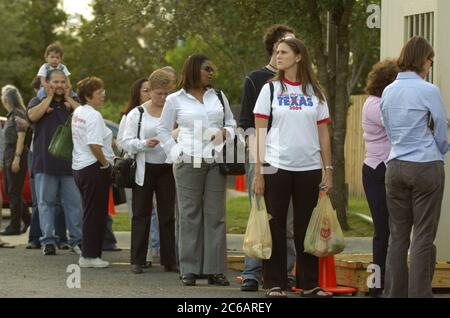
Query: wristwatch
329	168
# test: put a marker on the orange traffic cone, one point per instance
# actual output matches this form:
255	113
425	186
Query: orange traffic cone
111	207
327	277
240	184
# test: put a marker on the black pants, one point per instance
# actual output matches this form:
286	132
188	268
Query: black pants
303	187
375	189
13	187
94	184
159	179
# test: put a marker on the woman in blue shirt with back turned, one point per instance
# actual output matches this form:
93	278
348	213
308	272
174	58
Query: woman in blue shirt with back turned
416	125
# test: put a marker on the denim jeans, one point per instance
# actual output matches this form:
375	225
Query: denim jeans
154	232
253	266
35	227
48	189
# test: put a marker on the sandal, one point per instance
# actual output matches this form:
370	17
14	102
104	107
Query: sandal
317	293
276	292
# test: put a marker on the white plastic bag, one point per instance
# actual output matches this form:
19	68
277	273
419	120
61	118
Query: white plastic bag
324	235
257	239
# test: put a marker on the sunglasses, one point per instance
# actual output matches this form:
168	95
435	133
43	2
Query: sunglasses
208	68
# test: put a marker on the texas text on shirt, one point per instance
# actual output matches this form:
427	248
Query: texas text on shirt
185	110
295	120
88	128
406	105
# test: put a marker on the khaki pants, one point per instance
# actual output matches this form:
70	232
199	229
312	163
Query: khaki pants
414	196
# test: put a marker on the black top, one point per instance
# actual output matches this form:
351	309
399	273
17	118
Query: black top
43	161
253	84
16	122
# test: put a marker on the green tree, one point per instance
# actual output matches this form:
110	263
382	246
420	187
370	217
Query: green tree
26	28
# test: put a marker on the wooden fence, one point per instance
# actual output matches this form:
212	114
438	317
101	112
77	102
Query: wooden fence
354	147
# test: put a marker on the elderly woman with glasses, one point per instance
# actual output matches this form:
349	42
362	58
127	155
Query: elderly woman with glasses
15	158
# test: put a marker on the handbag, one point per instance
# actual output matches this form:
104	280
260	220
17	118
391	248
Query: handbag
61	145
124	168
258	238
231	165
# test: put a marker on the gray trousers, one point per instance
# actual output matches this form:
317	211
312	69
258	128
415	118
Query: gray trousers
414	196
201	196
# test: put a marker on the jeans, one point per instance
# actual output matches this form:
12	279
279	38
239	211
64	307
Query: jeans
35	227
48	189
154	232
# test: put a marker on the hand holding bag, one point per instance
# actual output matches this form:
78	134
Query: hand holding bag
124	169
324	235
61	145
257	238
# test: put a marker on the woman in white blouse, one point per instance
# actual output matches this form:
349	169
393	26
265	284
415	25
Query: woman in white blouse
153	175
91	161
201	189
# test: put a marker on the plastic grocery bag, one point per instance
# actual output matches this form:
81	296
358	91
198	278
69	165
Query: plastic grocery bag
257	238
324	235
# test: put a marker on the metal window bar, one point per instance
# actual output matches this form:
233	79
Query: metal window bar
421	24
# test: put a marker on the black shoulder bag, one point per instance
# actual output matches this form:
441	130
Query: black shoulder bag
233	168
124	169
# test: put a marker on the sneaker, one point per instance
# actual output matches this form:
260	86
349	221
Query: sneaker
92	262
33	245
76	249
49	249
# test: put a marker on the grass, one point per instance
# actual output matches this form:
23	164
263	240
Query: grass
238	211
121	222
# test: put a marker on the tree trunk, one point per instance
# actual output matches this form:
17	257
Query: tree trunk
340	198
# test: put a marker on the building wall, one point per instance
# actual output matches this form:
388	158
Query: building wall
392	40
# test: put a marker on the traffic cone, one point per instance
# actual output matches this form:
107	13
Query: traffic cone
240	184
327	277
111	207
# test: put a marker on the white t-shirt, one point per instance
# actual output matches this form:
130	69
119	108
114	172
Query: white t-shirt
89	128
45	68
293	141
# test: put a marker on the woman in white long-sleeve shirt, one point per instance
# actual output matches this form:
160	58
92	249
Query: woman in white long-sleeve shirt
153	175
140	93
201	189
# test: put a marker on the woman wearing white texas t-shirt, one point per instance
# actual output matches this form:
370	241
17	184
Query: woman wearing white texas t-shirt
296	146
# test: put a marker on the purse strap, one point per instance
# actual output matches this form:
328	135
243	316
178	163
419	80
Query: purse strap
219	95
141	113
272	89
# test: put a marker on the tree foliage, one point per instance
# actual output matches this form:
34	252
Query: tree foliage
128	39
26	28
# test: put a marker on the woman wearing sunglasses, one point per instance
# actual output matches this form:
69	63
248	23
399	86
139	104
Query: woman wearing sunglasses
201	189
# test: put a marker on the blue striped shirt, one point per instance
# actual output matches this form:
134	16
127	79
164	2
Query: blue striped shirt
406	106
